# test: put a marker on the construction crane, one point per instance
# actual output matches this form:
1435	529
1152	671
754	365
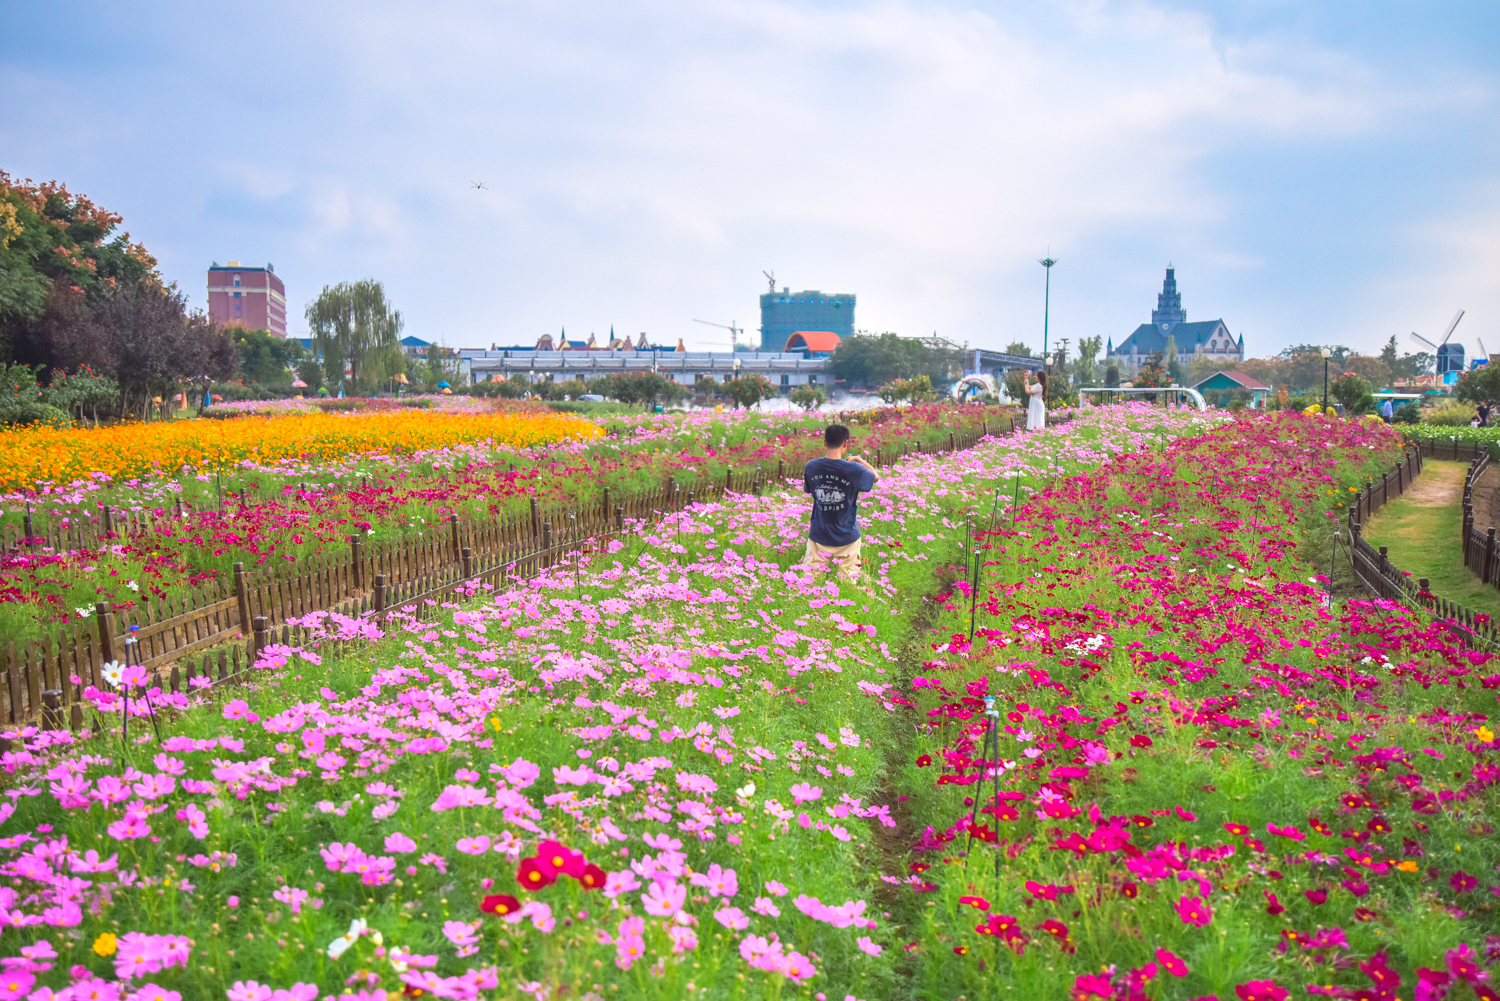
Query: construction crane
1450	357
734	331
771	277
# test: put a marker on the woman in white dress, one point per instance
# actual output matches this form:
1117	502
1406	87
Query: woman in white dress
1036	411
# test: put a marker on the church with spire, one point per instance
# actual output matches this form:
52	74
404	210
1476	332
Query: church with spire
1201	339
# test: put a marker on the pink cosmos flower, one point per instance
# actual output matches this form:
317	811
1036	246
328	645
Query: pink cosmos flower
1194	911
474	846
719	882
1171	963
775	888
764	905
732	918
662	900
804	792
132	826
868	947
399	843
620	882
14	984
150	992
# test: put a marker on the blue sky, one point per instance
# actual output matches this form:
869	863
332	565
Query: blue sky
1317	172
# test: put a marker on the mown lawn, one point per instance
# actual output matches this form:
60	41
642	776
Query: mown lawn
1422	532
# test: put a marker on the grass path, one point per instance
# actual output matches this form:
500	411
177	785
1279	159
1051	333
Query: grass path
1422	531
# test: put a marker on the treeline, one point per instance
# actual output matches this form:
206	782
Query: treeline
78	299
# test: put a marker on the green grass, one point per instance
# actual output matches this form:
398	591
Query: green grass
1425	539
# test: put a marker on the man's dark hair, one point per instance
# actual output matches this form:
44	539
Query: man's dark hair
835	435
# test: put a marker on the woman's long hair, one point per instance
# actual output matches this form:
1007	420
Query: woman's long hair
1041	377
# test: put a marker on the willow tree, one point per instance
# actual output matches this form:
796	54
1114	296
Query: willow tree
354	327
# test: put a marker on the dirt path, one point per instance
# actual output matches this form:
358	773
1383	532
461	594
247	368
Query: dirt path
1441	484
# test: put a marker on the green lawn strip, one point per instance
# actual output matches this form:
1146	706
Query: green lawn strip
1425	540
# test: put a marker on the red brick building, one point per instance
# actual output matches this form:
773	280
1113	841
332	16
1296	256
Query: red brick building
247	297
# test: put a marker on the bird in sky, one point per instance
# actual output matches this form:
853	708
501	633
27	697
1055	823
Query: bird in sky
478	184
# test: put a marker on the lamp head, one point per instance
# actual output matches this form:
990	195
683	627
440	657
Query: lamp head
1327	353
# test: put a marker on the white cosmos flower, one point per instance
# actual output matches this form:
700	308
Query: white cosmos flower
83	611
132	585
340	945
112	671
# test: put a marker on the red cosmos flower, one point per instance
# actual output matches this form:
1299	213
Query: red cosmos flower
1462	882
1386	980
533	874
560	859
1319	826
1194	911
960	950
1171	963
1058	930
1142	821
1286	832
593	877
1315	897
919	867
500	903
1378	825
1259	990
1185	814
924	761
1364	914
1273	906
978	902
1238	830
1140	740
1129	890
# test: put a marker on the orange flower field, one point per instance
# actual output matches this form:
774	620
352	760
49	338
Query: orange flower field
37	454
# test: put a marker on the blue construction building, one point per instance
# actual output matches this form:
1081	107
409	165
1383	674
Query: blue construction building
1200	339
785	313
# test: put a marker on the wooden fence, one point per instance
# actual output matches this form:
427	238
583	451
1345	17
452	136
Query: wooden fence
1480	554
1452	449
1374	570
207	627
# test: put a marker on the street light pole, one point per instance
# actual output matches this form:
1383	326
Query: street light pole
1047	263
1326	354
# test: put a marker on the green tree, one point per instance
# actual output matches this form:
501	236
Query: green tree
808	397
1388	354
265	359
1479	385
53	240
1018	348
1351	390
1086	363
639	387
748	390
354	327
311	373
1112	375
874	360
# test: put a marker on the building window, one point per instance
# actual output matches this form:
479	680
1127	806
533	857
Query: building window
236	281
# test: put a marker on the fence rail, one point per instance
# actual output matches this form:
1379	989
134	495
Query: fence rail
1374	570
178	635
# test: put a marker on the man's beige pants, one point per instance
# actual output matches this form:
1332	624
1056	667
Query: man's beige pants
847	557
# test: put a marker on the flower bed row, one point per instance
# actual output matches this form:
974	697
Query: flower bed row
660	774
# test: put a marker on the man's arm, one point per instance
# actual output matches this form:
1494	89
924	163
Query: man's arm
860	459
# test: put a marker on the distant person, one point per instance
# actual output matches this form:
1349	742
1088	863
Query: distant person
1484	415
835	484
1036	410
1387	412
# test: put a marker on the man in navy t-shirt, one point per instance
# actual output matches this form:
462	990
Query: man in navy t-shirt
835	484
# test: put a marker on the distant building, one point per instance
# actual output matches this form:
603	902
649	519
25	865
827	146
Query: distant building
1230	381
247	297
784	313
1202	339
813	343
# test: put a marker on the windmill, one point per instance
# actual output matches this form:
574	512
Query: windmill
1450	357
734	332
